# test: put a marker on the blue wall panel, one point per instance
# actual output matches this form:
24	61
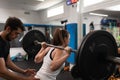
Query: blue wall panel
84	29
72	29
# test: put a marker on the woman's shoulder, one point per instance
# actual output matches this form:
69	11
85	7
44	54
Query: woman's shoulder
49	48
58	50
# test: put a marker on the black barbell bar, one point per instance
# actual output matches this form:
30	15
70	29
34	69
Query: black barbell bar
36	42
114	59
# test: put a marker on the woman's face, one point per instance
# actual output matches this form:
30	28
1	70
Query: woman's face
67	39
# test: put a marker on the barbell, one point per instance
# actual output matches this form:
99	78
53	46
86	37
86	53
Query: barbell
96	57
28	42
50	45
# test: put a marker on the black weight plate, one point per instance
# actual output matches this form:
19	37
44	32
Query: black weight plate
92	55
28	42
75	72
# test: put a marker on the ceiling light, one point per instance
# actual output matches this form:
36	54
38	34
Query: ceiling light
91	2
55	11
96	14
40	0
114	8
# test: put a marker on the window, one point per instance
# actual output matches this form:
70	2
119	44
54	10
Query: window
91	2
55	11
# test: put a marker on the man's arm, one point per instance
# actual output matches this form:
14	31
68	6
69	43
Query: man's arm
5	73
13	67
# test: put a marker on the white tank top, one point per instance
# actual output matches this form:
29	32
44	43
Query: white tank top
44	72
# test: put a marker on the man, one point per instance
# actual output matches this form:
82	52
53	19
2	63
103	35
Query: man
13	27
91	26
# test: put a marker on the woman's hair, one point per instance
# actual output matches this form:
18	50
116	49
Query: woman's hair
14	23
58	37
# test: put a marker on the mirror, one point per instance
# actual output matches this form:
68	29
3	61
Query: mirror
110	22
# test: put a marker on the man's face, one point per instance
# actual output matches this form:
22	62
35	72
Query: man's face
13	34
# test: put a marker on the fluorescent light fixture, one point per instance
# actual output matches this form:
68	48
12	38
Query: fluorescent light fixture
78	3
96	14
91	2
55	11
40	0
114	8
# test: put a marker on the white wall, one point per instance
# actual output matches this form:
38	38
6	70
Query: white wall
70	14
101	5
15	51
87	19
32	18
51	20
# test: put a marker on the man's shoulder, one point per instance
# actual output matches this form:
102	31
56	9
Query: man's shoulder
1	38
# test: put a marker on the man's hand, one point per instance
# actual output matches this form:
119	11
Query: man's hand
32	78
30	72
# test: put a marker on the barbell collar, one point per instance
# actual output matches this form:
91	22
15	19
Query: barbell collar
50	45
114	59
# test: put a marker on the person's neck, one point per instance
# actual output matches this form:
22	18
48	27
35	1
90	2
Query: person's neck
3	35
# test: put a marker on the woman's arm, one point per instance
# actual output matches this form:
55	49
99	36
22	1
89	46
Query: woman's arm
59	57
118	50
39	57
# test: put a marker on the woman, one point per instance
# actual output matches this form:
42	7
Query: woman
53	58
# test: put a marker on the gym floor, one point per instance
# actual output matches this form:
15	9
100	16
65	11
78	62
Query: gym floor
64	75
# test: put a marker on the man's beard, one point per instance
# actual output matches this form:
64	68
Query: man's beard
8	37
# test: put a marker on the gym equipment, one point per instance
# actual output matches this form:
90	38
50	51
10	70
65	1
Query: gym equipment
72	29
96	58
59	47
28	42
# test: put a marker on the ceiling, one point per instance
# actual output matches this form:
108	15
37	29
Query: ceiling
104	8
36	5
28	4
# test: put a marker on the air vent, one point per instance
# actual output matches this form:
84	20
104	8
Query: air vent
26	12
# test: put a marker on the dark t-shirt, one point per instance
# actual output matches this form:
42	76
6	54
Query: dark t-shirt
4	48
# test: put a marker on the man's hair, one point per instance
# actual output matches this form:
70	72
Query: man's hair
14	23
